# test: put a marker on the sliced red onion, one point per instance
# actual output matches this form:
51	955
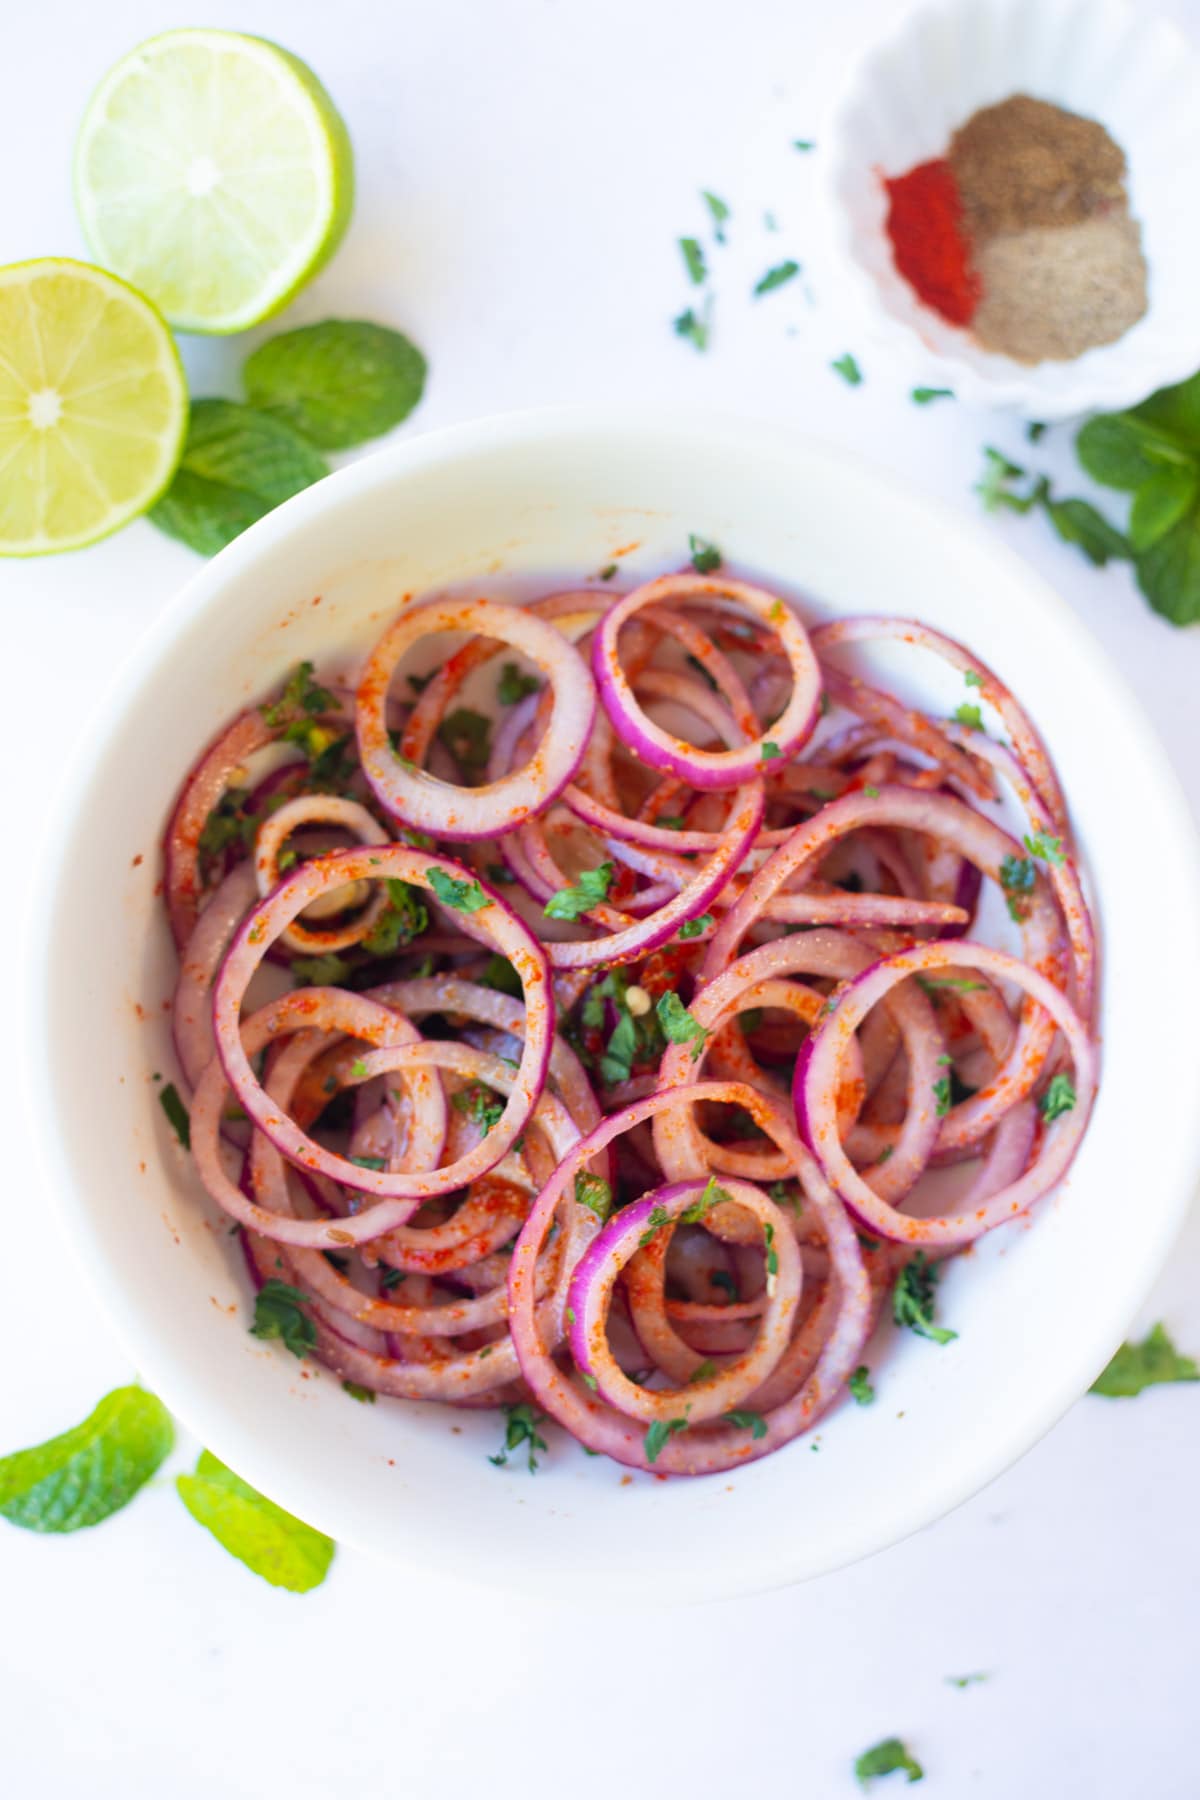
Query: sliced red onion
422	801
347	815
708	768
191	1009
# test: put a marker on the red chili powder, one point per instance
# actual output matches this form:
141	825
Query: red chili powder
930	246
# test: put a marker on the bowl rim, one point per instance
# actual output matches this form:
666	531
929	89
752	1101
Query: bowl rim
1013	386
174	1375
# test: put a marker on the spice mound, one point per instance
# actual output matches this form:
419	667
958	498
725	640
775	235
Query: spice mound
1022	232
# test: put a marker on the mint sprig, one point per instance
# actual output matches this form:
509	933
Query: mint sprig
237	465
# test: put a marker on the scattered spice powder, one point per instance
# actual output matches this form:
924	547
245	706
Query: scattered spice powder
1022	232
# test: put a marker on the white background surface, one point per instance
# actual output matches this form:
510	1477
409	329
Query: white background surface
525	169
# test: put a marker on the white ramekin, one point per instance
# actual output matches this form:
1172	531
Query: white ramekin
1101	58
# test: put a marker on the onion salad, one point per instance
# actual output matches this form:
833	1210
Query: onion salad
609	1007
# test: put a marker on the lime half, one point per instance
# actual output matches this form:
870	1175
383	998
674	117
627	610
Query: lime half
214	172
93	405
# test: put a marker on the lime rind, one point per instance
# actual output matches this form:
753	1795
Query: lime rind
95	339
215	173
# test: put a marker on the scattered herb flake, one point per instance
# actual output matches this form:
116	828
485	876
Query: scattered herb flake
177	1114
860	1386
590	891
693	928
521	1427
705	557
659	1433
718	212
776	277
969	714
923	395
357	1391
480	1104
913	1298
1138	1366
277	1314
770	750
695	327
1040	843
887	1758
1058	1098
747	1421
595	1193
847	367
693	260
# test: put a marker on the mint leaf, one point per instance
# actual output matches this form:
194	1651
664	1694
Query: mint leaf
1119	451
777	277
718	211
83	1476
463	896
1168	573
591	890
1138	1366
1161	502
272	1543
1078	522
339	382
1173	413
277	1314
886	1758
237	465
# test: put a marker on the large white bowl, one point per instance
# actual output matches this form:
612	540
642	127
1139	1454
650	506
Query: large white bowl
1038	1307
908	92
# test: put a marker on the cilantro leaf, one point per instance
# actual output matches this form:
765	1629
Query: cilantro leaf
678	1024
177	1113
515	685
404	918
695	327
467	736
590	891
617	1062
237	465
886	1758
752	1421
521	1427
942	1095
693	260
357	1391
1058	1098
704	1371
1018	878
500	975
659	1433
848	369
712	1195
718	211
86	1474
705	557
1138	1366
595	1193
226	825
271	1542
463	896
693	928
913	1298
860	1386
969	714
277	1314
770	750
658	1217
480	1104
338	382
300	695
776	278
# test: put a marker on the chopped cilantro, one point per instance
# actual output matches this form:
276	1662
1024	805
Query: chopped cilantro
871	792
514	685
358	1069
693	260
1138	1366
923	395
747	1421
696	327
320	971
521	1427
718	211
711	1196
772	1255
277	1314
770	750
403	918
659	1433
912	1299
678	1024
177	1113
608	571
499	974
964	1681
590	891
595	1193
887	1758
480	1104
656	1219
467	736
969	714
1058	1098
704	1371
973	679
705	556
463	896
692	928
301	694
776	278
848	369
1017	877
356	1391
941	1094
860	1386
225	826
377	1163
1040	843
804	144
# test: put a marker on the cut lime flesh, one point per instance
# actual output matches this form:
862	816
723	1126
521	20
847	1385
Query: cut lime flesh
214	172
93	405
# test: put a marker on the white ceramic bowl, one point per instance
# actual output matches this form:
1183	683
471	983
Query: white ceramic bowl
906	95
1038	1307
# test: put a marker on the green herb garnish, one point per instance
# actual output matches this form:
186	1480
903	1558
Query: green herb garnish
776	278
521	1427
357	1391
705	557
913	1298
271	1542
747	1421
887	1758
515	685
659	1434
923	395
1058	1098
693	260
86	1474
1138	1366
338	382
693	928
590	891
1040	843
969	714
467	736
480	1104
463	896
277	1314
848	369
595	1193
1018	878
177	1113
404	918
696	327
860	1387
678	1024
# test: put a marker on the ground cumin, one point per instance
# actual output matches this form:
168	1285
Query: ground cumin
1025	163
